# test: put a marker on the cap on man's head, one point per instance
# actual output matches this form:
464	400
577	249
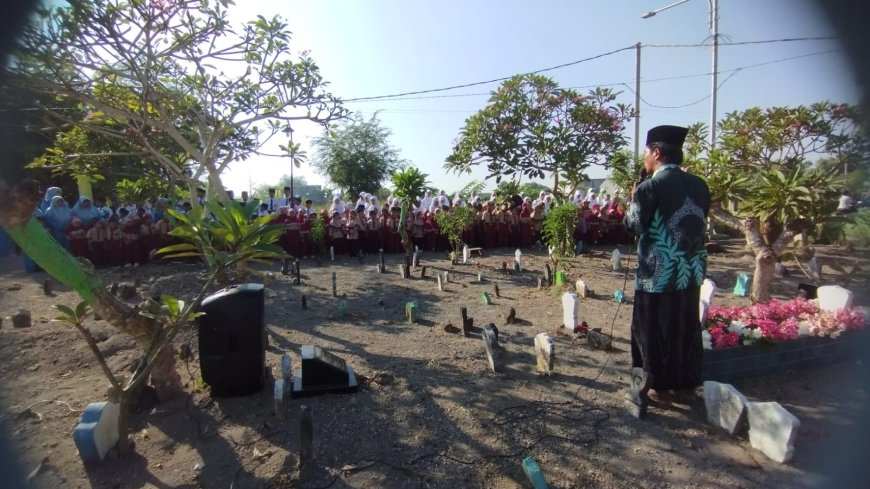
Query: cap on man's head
672	135
286	189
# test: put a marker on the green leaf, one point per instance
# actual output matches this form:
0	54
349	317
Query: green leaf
81	310
67	311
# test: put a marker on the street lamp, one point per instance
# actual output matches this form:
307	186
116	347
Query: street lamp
714	29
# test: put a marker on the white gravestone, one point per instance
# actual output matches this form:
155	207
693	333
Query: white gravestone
440	283
581	289
616	260
466	254
518	259
570	305
772	430
545	351
707	290
833	298
726	406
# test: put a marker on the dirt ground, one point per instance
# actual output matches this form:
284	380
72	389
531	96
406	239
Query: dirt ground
429	413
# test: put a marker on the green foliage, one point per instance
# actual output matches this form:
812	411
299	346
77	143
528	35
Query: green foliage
454	222
75	317
140	190
558	230
474	187
625	168
223	237
356	155
798	197
409	185
318	234
534	128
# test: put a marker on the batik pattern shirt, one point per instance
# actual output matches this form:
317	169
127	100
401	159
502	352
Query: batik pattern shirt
669	214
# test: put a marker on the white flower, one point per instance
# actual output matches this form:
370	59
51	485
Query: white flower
706	340
804	328
738	327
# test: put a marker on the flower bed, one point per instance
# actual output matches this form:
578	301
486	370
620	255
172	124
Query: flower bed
757	340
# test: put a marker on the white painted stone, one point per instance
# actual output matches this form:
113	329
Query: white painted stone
440	284
466	254
833	298
616	260
97	431
707	290
518	259
726	406
772	430
280	397
580	286
446	277
545	351
570	306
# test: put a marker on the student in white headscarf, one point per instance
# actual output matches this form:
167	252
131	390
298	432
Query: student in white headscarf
426	202
337	205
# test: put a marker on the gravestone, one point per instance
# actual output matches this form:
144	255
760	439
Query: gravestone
467	322
466	254
485	299
380	268
490	344
540	283
423	271
534	473
416	259
304	302
741	288
707	290
772	430
46	287
580	286
411	311
440	283
561	278
297	270
402	270
518	260
446	277
332	253
279	395
833	298
570	314
548	275
285	266
619	296
545	352
286	367
726	406
334	286
479	277
637	400
511	316
495	290
21	319
616	260
381	253
322	372
815	269
97	431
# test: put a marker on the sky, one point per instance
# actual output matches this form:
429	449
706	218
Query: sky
383	47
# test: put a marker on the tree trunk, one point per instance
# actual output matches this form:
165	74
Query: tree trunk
16	209
124	424
765	263
403	232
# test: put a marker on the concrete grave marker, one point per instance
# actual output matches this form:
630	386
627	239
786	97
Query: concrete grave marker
446	277
416	259
402	270
833	298
466	254
381	253
495	290
511	316
490	344
518	260
380	268
479	277
534	473
467	322
440	283
286	367
548	275
741	288
545	352
570	315
21	319
334	286
815	268
580	286
297	270
540	283
485	299
616	260
332	253
707	290
726	406
97	431
285	266
561	278
280	397
411	312
322	372
772	430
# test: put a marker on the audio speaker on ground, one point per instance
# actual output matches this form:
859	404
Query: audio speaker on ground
232	340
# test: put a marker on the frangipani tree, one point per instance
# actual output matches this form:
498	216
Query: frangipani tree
409	186
533	128
173	69
762	182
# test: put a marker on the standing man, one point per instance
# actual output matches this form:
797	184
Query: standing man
668	213
287	200
271	203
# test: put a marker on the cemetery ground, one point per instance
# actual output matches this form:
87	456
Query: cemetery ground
429	412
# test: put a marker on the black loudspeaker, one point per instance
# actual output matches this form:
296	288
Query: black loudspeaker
232	340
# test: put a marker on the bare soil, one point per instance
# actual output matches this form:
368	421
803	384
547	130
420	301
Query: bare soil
429	413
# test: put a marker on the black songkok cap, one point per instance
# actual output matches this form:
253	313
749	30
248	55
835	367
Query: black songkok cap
672	135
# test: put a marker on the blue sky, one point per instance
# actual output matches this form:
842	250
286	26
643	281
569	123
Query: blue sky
380	47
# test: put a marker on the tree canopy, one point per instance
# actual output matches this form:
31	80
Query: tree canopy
532	127
175	70
356	156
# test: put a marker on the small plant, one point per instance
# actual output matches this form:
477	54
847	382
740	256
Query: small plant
318	235
558	231
453	223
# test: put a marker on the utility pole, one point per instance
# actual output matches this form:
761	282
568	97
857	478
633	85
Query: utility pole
637	104
714	27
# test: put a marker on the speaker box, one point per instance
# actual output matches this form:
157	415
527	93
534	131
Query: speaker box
232	340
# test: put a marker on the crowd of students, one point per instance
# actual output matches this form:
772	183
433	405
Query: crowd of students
128	235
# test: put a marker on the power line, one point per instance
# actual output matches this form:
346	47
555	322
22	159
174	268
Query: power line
466	85
572	63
